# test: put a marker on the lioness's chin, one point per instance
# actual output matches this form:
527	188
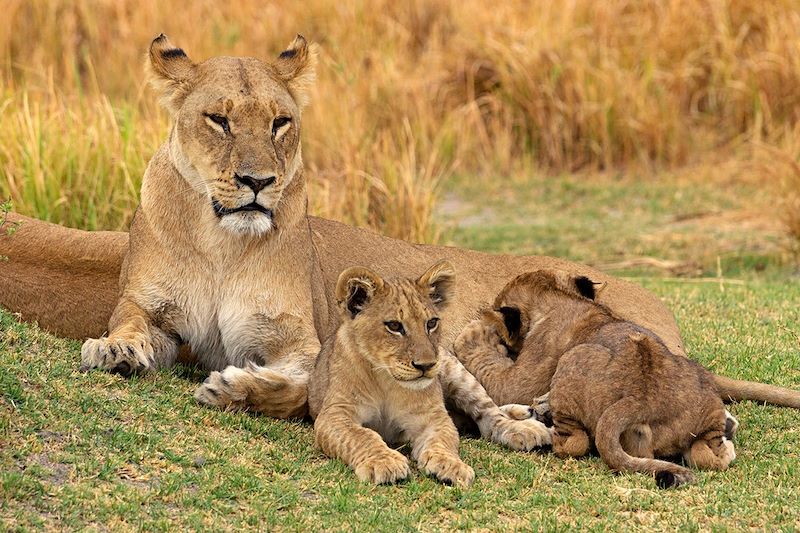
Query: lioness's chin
251	223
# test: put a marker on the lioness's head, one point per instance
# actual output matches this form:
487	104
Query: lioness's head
394	323
522	300
236	132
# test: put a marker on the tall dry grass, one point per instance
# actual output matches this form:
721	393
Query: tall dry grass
408	92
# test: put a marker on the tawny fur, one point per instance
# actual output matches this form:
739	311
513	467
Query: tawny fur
374	385
224	286
615	383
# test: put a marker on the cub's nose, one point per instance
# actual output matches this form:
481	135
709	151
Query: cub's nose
256	183
422	367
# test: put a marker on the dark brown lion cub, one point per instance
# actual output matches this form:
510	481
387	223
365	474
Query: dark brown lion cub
615	382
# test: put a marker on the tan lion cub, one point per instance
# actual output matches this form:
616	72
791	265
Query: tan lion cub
376	380
615	383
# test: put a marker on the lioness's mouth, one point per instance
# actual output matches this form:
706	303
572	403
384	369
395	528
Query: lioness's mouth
221	211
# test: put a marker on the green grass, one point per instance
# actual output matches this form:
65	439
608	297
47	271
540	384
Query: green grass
97	451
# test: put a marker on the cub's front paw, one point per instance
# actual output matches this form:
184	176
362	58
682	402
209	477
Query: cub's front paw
118	355
386	467
522	435
447	469
517	411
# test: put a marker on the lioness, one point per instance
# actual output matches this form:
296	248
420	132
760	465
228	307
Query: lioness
376	379
616	384
223	258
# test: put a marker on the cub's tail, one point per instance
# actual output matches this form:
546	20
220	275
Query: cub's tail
613	422
735	389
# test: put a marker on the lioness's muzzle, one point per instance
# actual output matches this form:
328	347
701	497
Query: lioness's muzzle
221	211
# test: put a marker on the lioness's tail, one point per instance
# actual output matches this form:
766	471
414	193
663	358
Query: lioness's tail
65	279
736	389
613	422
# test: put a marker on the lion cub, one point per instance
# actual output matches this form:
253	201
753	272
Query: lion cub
376	379
615	382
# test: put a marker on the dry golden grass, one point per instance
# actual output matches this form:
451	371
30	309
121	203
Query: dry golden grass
408	92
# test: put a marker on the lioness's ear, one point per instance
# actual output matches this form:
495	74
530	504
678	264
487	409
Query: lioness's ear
439	283
171	72
355	288
297	66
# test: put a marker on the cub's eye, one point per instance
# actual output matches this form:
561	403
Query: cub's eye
394	327
278	123
432	324
220	121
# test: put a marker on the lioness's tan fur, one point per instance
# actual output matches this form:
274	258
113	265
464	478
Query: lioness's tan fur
615	383
226	286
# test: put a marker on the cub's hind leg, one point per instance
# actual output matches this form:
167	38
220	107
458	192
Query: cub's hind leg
711	451
570	438
134	345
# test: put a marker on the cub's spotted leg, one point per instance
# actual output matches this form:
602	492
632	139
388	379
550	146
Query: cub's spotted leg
463	390
134	345
278	389
338	434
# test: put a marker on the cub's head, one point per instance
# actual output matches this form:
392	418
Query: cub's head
236	134
528	296
394	323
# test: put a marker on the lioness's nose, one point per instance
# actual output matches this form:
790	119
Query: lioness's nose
255	183
423	367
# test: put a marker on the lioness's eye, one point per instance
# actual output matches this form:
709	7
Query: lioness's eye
432	324
279	122
220	121
394	327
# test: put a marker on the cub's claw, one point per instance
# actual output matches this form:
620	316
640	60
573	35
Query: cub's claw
117	355
387	467
447	469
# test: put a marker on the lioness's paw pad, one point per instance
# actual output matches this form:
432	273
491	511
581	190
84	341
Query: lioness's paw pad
448	469
120	356
522	435
388	467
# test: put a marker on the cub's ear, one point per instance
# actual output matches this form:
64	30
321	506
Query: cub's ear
439	283
355	288
581	285
171	72
297	67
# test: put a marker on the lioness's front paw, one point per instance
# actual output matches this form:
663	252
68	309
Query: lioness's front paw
226	389
387	467
447	469
117	355
522	435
